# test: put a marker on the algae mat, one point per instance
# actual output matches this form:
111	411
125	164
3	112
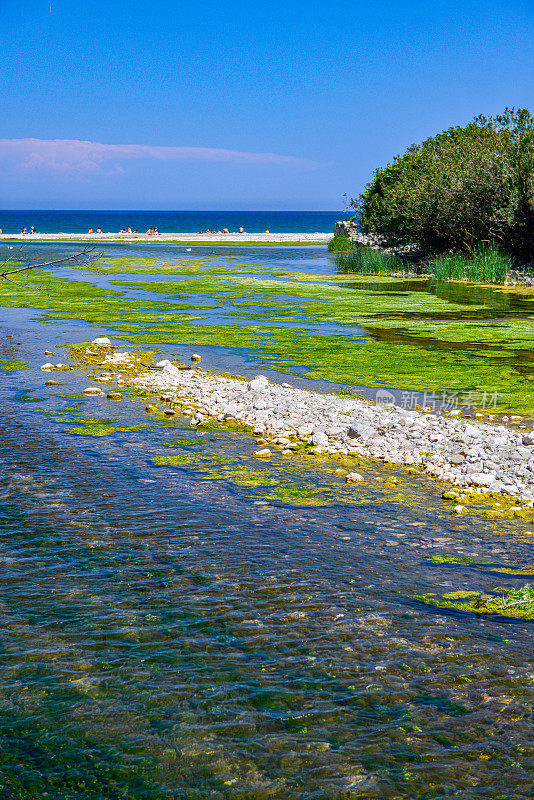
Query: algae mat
409	335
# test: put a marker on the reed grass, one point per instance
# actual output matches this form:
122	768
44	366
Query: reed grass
368	261
486	264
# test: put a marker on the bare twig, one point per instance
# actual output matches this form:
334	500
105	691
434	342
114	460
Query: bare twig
78	258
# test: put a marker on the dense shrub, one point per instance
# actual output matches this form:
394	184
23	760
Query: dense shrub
341	244
465	186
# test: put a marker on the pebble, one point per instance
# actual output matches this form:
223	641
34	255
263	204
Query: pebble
353	477
51	383
48	366
94	390
265	453
102	340
195	358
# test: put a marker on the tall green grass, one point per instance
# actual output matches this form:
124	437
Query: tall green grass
341	244
486	264
367	261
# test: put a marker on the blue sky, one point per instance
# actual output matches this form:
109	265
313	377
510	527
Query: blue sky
173	105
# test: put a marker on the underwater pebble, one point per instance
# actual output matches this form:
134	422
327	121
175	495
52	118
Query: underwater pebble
51	383
114	396
94	390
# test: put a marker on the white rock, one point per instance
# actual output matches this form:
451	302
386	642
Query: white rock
258	384
360	430
118	358
353	477
264	453
48	366
101	340
94	390
319	439
482	478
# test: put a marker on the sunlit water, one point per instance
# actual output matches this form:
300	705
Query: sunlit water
169	635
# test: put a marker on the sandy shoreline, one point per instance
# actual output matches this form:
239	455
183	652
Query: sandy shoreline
187	238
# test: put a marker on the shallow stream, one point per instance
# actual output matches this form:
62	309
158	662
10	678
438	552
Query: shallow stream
179	621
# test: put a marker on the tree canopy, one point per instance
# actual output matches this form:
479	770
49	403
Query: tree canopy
456	190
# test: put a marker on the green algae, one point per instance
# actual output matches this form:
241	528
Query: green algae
439	559
503	602
299	495
188	459
155	266
391	333
182	443
12	366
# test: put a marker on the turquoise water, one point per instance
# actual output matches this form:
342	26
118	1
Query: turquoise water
166	633
170	221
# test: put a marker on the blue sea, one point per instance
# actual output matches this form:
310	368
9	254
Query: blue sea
170	221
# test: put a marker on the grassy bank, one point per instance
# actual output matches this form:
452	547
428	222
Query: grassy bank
485	264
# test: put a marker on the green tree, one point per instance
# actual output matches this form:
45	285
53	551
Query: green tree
466	186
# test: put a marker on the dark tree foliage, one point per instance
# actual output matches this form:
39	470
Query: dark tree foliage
463	187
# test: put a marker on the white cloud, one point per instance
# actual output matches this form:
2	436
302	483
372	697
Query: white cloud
75	157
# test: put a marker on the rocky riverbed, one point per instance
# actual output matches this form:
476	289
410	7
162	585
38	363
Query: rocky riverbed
478	456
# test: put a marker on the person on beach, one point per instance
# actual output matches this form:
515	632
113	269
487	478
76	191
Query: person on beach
241	229
129	230
32	229
149	232
24	231
122	230
208	230
225	230
99	230
90	230
155	232
266	230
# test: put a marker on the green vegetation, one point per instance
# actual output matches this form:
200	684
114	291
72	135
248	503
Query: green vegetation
486	264
466	186
12	366
341	244
504	602
370	261
367	330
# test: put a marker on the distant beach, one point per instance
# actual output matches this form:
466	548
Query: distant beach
178	224
184	238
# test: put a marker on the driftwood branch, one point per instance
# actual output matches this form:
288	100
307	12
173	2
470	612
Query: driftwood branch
78	258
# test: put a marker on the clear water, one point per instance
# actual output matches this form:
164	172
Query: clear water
166	634
170	221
